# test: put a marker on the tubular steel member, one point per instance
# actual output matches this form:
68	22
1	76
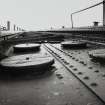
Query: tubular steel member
85	74
0	30
72	21
103	2
103	12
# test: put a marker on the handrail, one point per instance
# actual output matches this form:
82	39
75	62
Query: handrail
88	7
10	34
84	10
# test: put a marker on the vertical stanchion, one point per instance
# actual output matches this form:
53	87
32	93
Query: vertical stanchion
103	2
71	20
103	12
0	30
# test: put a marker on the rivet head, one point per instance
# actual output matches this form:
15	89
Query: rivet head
70	55
27	58
71	66
86	77
73	58
85	64
82	62
75	69
76	60
103	75
59	76
90	67
93	84
80	73
97	71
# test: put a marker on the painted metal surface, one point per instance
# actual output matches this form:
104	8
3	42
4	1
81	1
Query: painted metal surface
57	86
91	76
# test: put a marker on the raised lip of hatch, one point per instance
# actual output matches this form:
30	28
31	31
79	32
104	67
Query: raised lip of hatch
27	45
97	54
74	44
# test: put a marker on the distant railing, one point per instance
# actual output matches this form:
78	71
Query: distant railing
10	31
8	35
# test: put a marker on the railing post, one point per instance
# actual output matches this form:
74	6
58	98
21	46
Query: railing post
71	20
0	30
103	2
103	12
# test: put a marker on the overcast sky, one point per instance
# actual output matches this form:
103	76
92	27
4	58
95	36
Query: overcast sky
43	14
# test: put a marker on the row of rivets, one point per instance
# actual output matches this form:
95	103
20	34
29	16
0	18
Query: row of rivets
80	73
82	62
86	77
